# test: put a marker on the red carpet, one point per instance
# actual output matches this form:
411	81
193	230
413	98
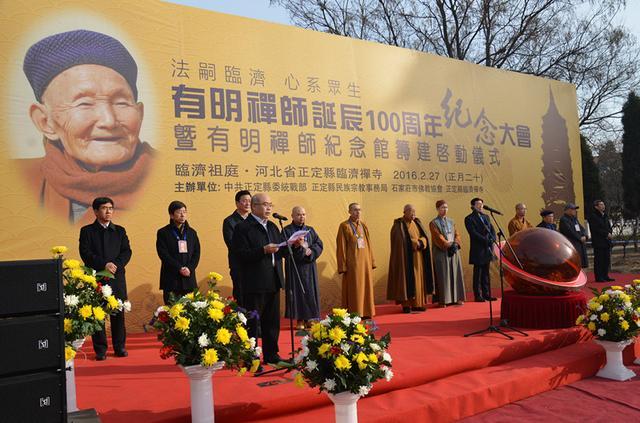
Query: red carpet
439	374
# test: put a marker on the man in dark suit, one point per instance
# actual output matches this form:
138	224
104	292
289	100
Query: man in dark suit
178	247
243	208
255	244
482	236
105	246
576	234
601	235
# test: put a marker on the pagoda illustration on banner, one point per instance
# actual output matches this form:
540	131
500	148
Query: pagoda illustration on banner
556	161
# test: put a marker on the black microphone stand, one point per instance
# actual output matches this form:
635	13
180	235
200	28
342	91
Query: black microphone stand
289	305
504	323
491	327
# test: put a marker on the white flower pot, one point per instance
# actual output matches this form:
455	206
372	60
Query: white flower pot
72	405
346	407
201	391
614	368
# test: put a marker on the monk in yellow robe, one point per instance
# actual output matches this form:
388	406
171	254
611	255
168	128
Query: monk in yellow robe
356	264
519	221
410	275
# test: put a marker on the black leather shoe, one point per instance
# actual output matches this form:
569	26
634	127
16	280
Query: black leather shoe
479	300
610	280
101	357
492	299
273	360
418	309
406	310
121	353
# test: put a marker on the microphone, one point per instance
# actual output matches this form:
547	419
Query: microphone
492	210
279	217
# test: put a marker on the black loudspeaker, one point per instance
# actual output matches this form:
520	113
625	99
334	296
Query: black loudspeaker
29	286
29	344
37	397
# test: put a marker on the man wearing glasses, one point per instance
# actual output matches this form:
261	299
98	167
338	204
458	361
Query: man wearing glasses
255	244
105	246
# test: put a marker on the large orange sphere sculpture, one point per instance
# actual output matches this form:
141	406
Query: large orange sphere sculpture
550	264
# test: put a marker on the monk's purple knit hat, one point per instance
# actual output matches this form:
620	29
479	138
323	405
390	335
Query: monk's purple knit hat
54	54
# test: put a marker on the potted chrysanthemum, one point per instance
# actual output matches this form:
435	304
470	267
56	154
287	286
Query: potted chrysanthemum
203	333
633	290
614	322
342	357
87	302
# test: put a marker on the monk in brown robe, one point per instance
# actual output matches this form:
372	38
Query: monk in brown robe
519	221
410	277
356	264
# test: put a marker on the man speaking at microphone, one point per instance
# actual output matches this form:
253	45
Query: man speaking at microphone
255	244
482	236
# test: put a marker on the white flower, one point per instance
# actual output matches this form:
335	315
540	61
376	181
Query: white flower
71	300
601	332
325	322
593	317
200	304
356	320
203	340
252	342
304	340
106	291
386	357
374	346
364	390
388	374
304	352
297	359
329	384
311	365
258	351
242	318
127	306
627	304
599	308
346	320
159	309
345	347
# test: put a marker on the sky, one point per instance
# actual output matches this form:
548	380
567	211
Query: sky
260	9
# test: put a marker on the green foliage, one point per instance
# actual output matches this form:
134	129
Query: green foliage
631	155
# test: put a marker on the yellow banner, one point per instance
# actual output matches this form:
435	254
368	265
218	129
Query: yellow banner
227	103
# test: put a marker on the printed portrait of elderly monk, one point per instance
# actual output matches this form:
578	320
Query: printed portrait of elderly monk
88	112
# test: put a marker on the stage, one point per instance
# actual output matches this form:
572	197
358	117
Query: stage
439	374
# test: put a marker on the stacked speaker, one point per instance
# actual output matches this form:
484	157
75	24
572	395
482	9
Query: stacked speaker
32	365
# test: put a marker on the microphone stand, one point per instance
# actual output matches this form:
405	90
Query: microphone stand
289	304
491	327
504	323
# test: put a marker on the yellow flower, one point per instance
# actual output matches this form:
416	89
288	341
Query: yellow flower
340	312
68	325
604	317
69	353
360	328
213	295
217	304
373	358
242	333
603	297
77	273
361	359
175	310
620	313
223	336
323	349
254	365
58	250
342	363
247	344
336	335
624	325
318	331
112	301
90	279
625	298
591	326
189	296
99	313
357	338
85	311
215	276
70	264
242	371
209	356
215	314
299	380
579	319
593	304
617	287
182	324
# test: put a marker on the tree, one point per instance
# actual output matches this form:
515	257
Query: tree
609	161
570	40
631	160
590	176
